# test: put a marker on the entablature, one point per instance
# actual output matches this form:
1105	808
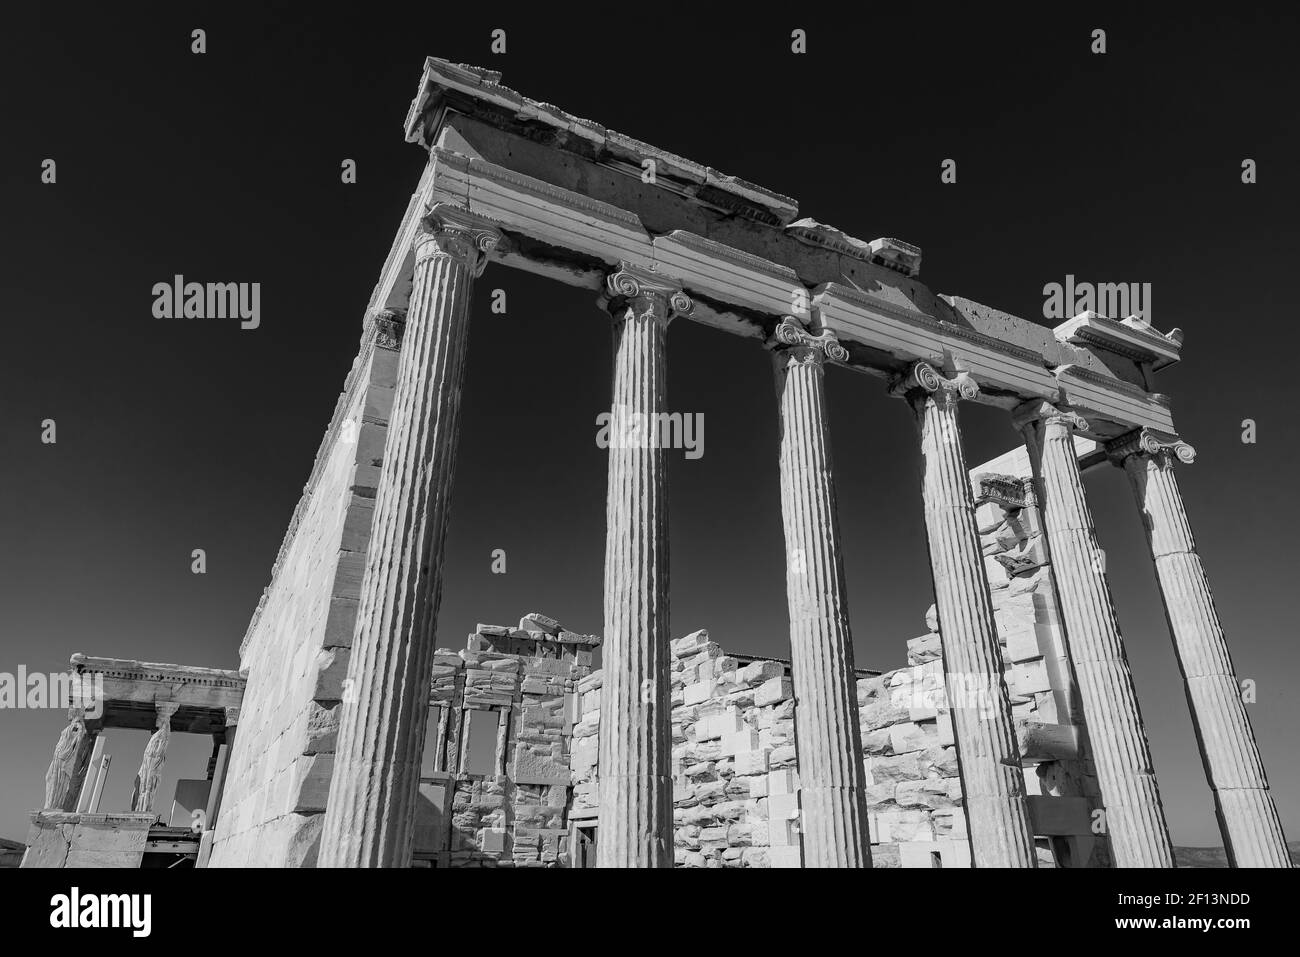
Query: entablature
569	198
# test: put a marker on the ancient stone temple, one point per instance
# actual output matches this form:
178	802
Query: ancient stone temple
1010	735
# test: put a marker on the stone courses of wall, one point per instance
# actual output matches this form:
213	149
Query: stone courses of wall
530	674
296	652
733	759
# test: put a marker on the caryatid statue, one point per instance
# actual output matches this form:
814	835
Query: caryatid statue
155	752
60	777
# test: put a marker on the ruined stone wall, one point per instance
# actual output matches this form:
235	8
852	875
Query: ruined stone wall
296	651
524	681
735	776
914	800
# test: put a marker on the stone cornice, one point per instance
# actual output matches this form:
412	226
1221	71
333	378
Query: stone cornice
1131	338
130	670
891	253
1149	442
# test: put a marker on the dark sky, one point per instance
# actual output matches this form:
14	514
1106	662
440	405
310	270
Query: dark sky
175	434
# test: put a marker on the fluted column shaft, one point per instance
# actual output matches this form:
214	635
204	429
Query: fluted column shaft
1134	816
993	787
832	781
1248	819
370	812
635	748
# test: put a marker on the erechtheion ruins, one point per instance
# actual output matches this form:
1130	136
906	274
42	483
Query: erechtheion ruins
1012	737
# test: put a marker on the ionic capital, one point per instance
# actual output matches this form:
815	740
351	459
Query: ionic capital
456	233
1149	442
923	379
1032	413
649	294
794	343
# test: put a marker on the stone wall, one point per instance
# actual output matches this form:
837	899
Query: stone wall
735	773
506	808
296	651
914	800
72	839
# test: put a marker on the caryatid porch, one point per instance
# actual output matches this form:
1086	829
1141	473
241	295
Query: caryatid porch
115	693
526	185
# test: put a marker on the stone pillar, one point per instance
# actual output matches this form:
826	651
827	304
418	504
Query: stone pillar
636	789
1134	817
67	771
221	768
831	777
370	811
1252	830
86	787
993	786
149	776
101	778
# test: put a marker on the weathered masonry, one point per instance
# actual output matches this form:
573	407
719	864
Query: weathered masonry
1039	725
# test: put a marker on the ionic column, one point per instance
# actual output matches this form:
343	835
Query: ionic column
1134	816
993	787
1252	830
831	778
67	771
370	812
149	776
636	789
